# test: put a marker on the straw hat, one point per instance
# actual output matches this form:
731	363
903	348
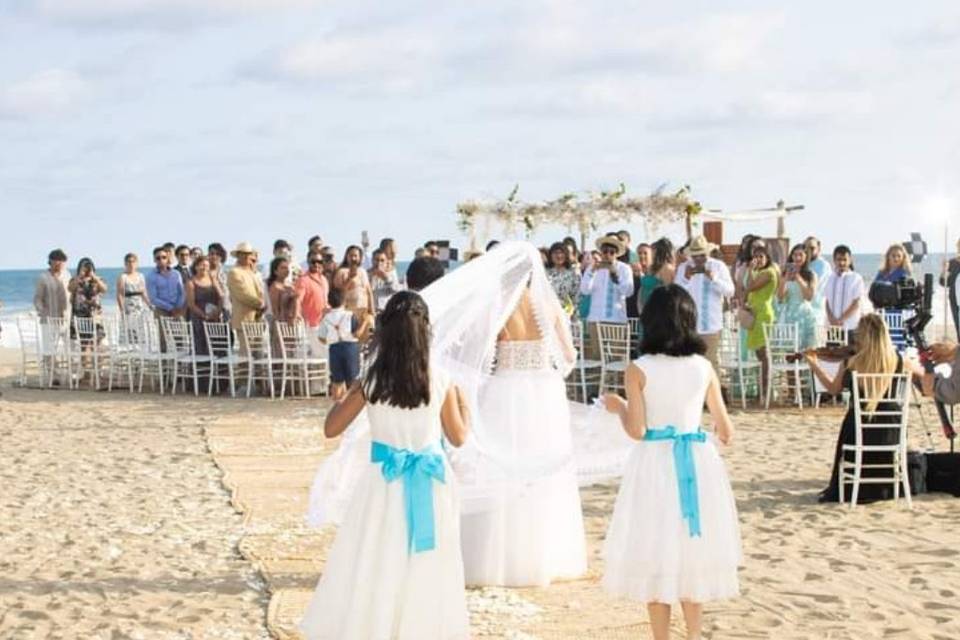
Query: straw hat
243	247
700	246
612	240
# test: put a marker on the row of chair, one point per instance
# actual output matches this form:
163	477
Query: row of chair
139	346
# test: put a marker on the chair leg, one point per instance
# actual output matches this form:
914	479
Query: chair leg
905	472
196	383
233	386
857	470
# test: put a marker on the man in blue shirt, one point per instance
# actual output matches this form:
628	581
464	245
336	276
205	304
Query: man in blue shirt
165	287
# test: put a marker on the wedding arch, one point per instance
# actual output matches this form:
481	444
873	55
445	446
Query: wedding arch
583	214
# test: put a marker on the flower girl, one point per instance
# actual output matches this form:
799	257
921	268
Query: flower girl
395	570
674	536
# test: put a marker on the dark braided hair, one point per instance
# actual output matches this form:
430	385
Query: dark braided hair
400	373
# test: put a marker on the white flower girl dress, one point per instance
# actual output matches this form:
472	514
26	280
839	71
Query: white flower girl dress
674	534
395	571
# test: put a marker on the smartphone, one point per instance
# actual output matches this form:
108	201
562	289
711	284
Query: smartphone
364	238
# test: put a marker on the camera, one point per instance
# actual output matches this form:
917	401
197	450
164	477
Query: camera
903	294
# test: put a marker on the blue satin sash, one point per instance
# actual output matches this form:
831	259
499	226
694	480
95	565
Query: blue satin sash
418	469
686	471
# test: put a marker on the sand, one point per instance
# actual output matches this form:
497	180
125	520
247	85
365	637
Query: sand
144	517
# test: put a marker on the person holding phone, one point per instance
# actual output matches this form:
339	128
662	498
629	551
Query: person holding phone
709	283
796	291
609	283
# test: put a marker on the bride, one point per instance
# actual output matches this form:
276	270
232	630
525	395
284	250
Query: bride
500	333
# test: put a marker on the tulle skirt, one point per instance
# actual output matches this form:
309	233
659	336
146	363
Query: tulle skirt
525	533
373	588
649	554
338	476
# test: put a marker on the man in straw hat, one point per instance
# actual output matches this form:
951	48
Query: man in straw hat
246	290
708	282
609	283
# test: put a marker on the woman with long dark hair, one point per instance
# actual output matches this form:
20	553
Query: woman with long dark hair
666	546
795	293
761	287
662	271
395	569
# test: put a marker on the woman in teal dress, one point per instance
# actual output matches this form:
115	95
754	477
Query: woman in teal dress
761	289
796	290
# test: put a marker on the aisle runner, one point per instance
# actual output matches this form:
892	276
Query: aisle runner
268	468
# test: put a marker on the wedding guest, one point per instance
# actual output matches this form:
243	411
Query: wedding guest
662	271
896	265
950	278
246	290
396	566
341	330
314	245
86	291
284	301
639	267
195	252
420	252
204	301
432	249
820	268
313	288
165	288
329	265
388	246
132	298
218	271
875	354
742	267
667	546
383	280
608	282
564	278
844	292
353	281
171	250
423	272
182	253
574	253
51	298
795	292
627	257
761	288
709	283
283	249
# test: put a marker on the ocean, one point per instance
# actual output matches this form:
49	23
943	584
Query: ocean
17	286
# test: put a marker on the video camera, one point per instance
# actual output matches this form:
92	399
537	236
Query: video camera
905	295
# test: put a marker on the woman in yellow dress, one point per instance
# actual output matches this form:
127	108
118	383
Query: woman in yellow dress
761	288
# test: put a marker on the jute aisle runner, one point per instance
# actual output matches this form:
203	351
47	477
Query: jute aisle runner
268	462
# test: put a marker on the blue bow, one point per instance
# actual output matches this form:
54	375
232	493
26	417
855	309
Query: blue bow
418	470
686	471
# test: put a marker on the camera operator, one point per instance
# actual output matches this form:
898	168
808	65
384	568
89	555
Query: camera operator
945	389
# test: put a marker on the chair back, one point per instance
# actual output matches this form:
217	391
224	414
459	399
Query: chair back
892	410
86	332
782	340
898	334
832	336
219	338
614	342
256	336
28	330
729	347
179	335
293	340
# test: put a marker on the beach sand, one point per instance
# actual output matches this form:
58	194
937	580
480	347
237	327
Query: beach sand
129	516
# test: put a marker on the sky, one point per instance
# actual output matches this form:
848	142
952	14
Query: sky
128	123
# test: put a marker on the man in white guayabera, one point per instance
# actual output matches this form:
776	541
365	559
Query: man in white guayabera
708	282
608	283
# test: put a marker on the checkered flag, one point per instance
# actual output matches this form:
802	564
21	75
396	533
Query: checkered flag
916	247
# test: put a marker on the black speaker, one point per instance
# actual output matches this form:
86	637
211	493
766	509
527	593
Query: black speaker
943	473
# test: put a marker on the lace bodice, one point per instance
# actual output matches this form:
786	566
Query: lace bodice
522	355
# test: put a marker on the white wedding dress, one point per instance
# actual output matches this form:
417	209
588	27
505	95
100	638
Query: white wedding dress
519	469
531	532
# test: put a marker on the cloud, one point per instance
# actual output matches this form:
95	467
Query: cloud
154	13
48	92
